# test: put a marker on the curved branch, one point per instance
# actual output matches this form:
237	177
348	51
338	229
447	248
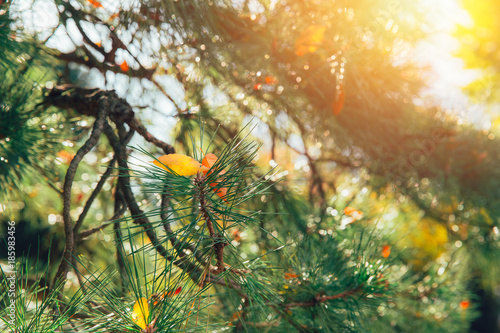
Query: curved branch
68	183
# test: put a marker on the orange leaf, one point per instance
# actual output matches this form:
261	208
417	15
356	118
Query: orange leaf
174	292
140	313
290	276
221	192
95	3
181	165
99	44
65	156
464	304
159	298
257	86
386	251
124	66
209	160
355	214
349	210
339	102
236	234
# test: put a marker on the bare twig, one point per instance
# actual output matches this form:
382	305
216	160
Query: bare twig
93	195
139	127
109	222
68	183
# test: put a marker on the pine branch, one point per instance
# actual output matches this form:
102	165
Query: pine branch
140	217
119	208
165	199
321	299
218	241
89	59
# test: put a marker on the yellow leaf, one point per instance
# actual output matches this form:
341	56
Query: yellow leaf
141	312
181	165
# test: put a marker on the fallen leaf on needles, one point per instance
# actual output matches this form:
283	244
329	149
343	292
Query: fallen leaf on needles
180	165
140	313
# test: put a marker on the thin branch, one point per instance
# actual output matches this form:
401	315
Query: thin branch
109	222
164	92
135	124
68	183
89	59
321	299
93	195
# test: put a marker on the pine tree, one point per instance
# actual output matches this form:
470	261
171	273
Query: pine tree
235	166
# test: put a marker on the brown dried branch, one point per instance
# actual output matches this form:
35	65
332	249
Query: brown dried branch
89	59
84	101
124	185
103	107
